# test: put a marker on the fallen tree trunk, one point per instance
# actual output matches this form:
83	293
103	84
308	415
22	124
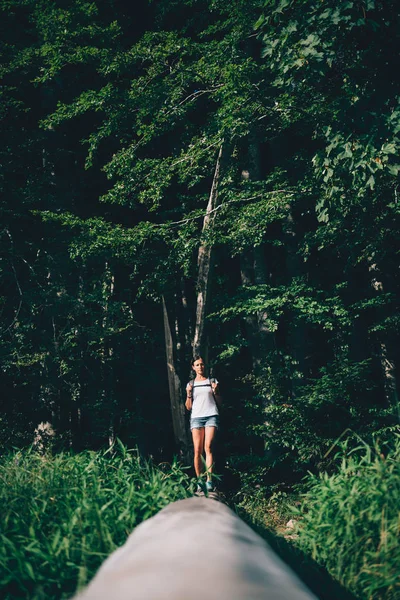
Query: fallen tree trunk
194	549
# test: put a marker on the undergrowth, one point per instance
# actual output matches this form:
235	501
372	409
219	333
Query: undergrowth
62	515
349	521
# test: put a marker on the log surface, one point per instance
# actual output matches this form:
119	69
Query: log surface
195	549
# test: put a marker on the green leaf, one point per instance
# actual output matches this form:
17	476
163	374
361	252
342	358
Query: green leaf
394	169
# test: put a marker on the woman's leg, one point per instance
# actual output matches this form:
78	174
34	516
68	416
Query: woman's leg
198	443
208	447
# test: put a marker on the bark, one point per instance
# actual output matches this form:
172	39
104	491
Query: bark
204	267
176	393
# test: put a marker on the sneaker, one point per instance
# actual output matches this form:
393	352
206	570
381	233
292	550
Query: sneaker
209	486
199	490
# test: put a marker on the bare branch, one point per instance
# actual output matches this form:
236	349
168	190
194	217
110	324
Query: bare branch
196	94
203	215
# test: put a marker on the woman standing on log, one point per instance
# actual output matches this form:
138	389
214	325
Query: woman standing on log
203	399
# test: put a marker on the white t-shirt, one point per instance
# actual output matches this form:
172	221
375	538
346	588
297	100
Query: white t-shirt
203	399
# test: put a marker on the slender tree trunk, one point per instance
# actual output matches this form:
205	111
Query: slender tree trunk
186	319
297	335
175	393
204	266
250	321
386	358
266	336
389	375
77	397
45	431
107	351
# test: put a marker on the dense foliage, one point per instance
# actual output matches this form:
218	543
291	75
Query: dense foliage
111	126
62	516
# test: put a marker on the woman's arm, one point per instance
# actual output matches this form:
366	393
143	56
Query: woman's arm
189	397
216	394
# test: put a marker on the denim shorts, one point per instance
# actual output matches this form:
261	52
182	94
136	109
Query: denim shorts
200	422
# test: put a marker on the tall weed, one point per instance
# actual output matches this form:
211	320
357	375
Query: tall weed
350	521
62	515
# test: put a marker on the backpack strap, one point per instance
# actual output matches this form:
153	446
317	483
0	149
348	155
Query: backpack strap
211	379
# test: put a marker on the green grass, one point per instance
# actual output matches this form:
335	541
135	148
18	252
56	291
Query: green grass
62	515
350	521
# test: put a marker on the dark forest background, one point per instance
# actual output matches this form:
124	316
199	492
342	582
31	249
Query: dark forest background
120	123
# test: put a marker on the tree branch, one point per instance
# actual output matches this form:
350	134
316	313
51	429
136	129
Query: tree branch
203	215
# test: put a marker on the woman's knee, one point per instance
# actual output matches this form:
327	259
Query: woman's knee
208	448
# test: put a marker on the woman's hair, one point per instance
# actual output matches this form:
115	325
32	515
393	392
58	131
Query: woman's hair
196	357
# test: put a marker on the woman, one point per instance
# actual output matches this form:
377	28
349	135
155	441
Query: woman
203	399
